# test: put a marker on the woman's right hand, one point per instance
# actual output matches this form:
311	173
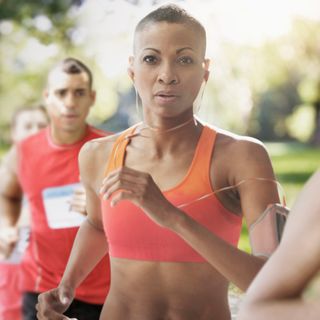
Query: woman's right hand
53	303
139	187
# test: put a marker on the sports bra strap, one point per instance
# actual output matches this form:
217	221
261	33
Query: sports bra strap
204	151
118	150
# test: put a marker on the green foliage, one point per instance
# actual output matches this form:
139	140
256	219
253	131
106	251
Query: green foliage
271	110
34	35
301	123
253	89
47	20
284	74
18	10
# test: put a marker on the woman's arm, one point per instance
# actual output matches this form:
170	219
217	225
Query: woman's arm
250	160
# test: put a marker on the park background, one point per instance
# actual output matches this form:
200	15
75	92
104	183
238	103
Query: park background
265	68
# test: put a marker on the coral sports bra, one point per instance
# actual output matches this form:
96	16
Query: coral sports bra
133	235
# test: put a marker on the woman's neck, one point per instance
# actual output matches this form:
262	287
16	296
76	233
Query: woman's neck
160	130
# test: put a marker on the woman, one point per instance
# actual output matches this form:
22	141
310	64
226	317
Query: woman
172	238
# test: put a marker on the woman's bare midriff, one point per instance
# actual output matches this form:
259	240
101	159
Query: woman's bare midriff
143	290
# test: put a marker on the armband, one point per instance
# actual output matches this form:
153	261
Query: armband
266	232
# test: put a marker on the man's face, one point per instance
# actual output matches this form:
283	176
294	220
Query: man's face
68	99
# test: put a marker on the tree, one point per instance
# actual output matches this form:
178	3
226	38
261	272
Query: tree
286	78
32	34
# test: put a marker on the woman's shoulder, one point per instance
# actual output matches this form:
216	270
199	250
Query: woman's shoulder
101	146
238	143
238	147
93	148
94	157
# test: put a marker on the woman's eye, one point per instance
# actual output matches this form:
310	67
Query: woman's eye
185	60
150	59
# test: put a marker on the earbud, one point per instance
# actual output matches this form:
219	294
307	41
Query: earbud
197	101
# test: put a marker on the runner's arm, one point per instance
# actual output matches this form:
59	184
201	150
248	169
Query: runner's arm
90	244
234	264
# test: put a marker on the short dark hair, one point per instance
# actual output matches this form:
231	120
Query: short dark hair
171	13
72	65
20	110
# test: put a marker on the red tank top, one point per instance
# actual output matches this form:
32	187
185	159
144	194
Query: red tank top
132	235
44	165
10	294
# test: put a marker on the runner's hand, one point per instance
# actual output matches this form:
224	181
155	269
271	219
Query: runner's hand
53	303
139	187
9	237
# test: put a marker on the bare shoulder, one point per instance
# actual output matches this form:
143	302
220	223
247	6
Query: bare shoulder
94	157
242	147
97	149
241	157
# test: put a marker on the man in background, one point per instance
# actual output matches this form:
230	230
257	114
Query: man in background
44	167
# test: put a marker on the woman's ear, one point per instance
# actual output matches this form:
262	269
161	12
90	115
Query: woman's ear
130	68
206	69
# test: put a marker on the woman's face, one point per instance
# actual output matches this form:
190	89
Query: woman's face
168	67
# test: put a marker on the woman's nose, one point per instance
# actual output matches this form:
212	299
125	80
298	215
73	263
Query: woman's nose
167	75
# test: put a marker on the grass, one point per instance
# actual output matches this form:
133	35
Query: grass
293	164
